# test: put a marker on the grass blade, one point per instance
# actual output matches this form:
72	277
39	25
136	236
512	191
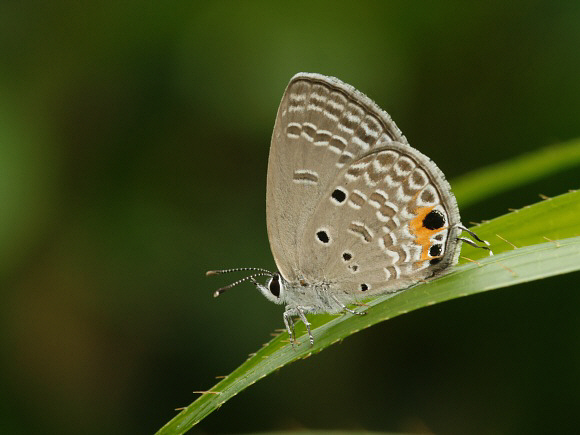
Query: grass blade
489	181
546	234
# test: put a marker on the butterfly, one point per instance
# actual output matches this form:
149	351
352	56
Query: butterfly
353	211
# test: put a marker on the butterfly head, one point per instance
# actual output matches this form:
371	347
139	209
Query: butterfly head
274	290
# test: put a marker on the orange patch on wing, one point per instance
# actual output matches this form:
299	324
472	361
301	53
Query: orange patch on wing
423	234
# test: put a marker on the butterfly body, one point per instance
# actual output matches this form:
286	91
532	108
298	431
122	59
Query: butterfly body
353	211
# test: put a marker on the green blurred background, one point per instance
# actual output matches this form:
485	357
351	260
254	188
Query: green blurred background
134	140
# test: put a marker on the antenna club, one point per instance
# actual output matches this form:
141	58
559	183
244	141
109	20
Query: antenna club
212	272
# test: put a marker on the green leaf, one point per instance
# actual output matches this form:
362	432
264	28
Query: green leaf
552	219
486	182
545	233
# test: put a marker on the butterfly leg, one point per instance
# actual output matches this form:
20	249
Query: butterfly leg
345	308
470	242
306	323
289	324
293	312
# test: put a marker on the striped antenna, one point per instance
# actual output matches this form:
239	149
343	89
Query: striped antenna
219	291
237	269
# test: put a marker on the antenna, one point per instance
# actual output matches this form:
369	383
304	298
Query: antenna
219	291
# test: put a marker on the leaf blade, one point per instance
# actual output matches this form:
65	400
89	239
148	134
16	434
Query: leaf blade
552	218
524	169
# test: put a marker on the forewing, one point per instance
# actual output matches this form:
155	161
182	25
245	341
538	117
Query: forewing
322	126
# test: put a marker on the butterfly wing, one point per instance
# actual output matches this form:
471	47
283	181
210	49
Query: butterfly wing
386	222
323	126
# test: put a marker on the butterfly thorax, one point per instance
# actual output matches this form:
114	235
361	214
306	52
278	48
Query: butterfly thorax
315	296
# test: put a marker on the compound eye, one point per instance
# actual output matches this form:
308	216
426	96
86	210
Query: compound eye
274	285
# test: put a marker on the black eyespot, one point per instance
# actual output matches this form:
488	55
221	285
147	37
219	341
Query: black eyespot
435	250
339	195
364	287
274	286
354	267
434	261
322	236
434	220
346	256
